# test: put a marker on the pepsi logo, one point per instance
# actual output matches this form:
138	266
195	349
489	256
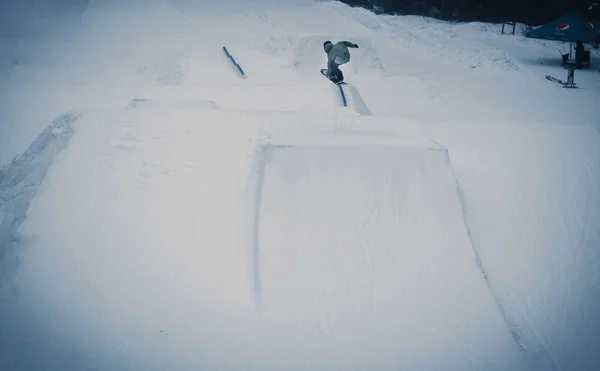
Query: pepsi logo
589	25
562	27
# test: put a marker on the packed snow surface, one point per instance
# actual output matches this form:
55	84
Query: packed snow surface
160	210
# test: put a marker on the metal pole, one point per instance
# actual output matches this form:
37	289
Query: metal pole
570	49
571	77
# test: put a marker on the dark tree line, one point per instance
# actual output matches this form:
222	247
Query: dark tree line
532	12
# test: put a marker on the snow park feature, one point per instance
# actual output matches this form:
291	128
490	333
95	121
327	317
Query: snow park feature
340	254
159	212
236	64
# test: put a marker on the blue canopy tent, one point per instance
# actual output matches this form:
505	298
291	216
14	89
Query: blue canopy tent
570	28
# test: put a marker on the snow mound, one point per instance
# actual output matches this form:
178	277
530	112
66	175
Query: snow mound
531	196
360	15
320	234
19	183
449	42
355	234
192	68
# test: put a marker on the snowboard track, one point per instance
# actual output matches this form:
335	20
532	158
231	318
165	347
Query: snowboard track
262	156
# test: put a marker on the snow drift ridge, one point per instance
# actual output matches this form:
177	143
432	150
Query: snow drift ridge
20	181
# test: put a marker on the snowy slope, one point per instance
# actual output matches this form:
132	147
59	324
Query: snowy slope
383	263
185	217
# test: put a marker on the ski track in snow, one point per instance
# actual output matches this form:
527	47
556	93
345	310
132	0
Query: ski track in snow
260	159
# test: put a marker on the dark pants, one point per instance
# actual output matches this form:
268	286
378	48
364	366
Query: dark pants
579	59
334	72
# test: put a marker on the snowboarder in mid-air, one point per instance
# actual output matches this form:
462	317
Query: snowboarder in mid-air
337	54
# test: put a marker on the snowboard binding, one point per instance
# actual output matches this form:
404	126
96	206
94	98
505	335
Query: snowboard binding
333	79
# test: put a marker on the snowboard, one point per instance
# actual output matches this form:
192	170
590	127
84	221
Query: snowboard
339	85
324	73
558	81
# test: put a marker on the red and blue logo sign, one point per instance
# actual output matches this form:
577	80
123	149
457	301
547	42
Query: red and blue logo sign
562	27
589	25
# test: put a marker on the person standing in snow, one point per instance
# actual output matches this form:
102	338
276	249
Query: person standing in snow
579	54
337	54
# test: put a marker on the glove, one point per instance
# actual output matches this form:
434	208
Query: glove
356	46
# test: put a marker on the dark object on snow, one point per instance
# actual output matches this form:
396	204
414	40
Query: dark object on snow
513	24
339	85
579	54
233	61
337	54
582	57
570	83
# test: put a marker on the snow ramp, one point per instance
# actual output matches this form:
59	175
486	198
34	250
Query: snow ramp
208	239
369	243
